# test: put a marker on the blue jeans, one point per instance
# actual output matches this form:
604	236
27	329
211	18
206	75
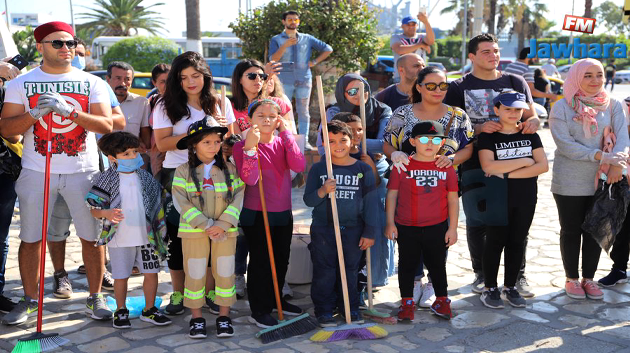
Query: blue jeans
240	258
302	92
326	290
7	202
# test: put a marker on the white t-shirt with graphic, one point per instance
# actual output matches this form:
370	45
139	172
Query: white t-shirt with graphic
74	149
132	230
176	158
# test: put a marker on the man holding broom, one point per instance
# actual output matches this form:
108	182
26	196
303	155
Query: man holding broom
76	105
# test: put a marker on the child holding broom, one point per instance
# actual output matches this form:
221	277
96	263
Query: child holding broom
277	156
210	195
422	209
355	190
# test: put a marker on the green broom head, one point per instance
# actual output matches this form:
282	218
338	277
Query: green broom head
39	342
285	329
350	331
380	317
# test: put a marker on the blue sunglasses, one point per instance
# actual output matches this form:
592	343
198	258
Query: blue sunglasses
424	140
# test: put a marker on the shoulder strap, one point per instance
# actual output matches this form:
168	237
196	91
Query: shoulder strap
450	121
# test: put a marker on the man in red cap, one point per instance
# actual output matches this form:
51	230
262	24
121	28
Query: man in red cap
75	105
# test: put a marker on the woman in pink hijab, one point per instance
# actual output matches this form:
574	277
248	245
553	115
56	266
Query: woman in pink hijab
577	124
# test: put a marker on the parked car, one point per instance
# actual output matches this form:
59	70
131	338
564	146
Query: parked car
380	74
438	65
564	71
622	76
141	83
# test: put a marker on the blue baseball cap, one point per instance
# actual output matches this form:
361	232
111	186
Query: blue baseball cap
512	100
408	19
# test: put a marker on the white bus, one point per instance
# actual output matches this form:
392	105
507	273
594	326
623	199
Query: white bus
212	47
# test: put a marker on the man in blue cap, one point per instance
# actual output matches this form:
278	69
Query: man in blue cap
410	41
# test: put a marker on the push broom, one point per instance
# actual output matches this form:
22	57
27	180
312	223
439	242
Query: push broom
349	330
371	313
285	329
38	341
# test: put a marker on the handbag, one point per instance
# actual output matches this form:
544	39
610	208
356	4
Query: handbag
10	162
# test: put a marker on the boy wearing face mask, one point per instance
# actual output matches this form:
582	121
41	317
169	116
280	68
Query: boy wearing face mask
127	199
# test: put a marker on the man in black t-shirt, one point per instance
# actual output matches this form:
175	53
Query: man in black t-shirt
611	70
474	93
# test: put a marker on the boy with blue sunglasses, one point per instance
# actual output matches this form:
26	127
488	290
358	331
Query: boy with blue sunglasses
422	207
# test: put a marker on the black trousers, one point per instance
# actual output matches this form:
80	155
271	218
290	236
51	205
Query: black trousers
621	247
259	281
430	242
510	239
571	213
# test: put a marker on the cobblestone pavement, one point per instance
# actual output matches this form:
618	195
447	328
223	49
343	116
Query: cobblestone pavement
550	321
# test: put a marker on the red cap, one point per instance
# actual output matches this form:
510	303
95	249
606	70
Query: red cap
47	28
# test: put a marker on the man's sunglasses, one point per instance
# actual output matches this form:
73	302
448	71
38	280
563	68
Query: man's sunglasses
433	86
290	20
252	76
57	44
424	140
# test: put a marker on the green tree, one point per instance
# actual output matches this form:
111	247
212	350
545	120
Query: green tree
25	42
347	25
120	17
142	52
610	16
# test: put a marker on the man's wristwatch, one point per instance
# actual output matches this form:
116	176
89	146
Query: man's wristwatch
73	115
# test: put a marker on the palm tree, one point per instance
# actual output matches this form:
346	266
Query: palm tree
457	8
528	19
588	5
120	17
193	27
491	15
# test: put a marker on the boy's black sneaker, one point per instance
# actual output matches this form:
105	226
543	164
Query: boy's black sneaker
289	309
155	317
6	304
224	327
121	319
355	317
326	320
213	308
197	328
615	276
492	298
263	320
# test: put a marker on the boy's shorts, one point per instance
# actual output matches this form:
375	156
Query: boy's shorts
124	259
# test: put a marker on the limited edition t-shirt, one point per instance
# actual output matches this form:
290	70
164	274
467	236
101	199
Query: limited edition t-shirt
513	146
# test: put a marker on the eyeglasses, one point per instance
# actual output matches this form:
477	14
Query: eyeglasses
290	20
424	140
57	44
433	86
252	76
354	91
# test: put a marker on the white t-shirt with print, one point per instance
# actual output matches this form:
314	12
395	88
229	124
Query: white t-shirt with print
176	158
74	149
132	230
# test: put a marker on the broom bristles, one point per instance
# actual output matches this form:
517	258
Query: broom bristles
39	342
294	327
380	317
359	332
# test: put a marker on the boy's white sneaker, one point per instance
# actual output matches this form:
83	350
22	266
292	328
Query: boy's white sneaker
417	290
428	296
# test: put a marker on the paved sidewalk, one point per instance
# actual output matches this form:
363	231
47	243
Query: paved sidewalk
550	321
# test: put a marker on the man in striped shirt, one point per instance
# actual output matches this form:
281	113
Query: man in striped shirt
521	67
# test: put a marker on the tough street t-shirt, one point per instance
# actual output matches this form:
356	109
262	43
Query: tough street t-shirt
74	149
512	146
422	193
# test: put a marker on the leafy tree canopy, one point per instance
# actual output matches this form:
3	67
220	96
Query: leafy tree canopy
142	52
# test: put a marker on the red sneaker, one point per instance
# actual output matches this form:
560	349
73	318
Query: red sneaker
405	312
442	308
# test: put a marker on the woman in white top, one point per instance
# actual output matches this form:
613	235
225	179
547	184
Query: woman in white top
189	97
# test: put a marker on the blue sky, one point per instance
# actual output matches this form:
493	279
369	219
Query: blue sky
216	15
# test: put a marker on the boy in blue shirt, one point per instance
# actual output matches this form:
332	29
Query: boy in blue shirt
354	188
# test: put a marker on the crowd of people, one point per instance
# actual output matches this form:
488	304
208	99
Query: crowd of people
175	178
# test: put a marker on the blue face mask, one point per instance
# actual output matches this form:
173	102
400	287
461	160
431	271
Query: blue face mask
79	62
130	165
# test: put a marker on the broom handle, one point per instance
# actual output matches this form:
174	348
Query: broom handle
223	101
368	263
272	261
333	200
362	112
42	256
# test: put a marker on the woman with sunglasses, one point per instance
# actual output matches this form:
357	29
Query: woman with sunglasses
189	97
427	95
248	79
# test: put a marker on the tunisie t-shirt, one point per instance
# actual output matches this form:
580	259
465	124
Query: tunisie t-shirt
132	230
74	149
422	193
513	146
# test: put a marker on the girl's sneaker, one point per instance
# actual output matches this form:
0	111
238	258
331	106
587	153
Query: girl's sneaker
615	276
262	320
406	310
513	297
492	298
417	290
176	305
428	296
155	317
591	289
574	290
442	308
197	328
121	319
213	308
224	327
